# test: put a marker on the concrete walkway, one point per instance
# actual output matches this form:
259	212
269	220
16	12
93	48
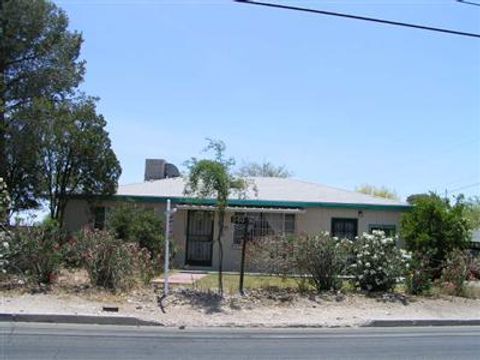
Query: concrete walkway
181	278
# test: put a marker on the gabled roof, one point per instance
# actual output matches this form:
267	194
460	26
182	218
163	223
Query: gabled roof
263	191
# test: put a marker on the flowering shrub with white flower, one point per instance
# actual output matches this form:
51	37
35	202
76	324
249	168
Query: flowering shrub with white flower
4	234
379	263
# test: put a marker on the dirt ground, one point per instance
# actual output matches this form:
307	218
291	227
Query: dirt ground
258	309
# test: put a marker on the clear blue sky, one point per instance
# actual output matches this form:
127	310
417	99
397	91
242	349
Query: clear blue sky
339	102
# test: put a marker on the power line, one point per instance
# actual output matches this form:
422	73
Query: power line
468	2
464	187
357	17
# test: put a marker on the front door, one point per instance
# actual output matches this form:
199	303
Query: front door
199	238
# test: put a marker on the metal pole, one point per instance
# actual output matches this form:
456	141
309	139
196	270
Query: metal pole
167	248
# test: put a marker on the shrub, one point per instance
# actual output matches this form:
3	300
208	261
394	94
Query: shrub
111	263
5	237
379	263
473	268
272	255
5	249
322	259
437	227
140	225
36	251
419	275
454	273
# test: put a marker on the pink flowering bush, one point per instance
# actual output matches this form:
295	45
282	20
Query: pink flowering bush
5	236
110	262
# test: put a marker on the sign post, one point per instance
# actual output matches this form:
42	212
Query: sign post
168	213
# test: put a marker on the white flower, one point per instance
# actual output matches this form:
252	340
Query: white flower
367	264
6	245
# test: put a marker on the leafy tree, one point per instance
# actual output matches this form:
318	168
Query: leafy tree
377	191
39	59
472	212
412	199
213	179
435	227
75	152
138	224
265	169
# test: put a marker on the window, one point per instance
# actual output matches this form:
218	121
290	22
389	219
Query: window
262	224
289	224
389	230
344	228
99	213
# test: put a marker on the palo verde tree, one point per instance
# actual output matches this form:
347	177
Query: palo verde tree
75	152
39	60
212	178
377	191
265	169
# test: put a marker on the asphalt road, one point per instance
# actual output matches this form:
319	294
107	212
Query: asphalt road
55	341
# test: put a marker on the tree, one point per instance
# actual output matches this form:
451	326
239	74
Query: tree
435	227
412	199
213	179
472	212
140	225
75	152
265	169
39	59
377	191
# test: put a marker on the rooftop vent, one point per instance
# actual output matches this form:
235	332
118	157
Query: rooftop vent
156	169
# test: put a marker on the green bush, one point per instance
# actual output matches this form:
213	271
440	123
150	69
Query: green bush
140	225
36	252
110	262
379	263
436	227
322	259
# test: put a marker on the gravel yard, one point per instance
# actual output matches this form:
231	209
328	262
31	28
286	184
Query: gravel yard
260	308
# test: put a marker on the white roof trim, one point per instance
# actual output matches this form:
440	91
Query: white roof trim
243	209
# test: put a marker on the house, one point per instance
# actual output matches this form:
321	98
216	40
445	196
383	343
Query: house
274	205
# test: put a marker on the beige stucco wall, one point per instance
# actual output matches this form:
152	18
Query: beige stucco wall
313	220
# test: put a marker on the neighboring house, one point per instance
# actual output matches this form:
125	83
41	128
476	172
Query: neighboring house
275	205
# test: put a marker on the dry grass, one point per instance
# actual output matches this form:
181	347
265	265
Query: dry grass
230	283
472	290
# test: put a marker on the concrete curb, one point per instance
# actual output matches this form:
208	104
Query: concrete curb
422	322
132	321
77	319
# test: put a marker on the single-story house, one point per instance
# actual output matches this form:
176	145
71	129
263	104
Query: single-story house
276	205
